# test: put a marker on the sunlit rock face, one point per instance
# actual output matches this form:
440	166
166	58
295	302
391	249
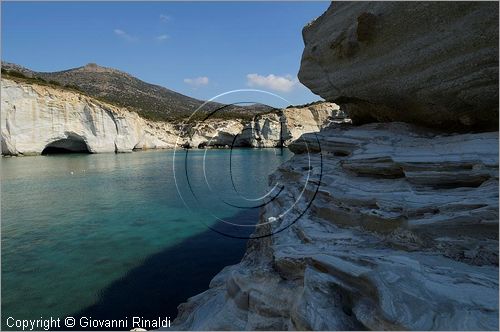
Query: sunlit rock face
272	130
35	117
428	63
402	234
212	133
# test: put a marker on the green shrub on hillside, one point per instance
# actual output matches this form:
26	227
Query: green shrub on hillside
73	87
14	73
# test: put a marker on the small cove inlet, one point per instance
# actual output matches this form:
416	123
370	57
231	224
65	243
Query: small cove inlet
108	236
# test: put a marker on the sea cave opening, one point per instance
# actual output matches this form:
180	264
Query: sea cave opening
66	145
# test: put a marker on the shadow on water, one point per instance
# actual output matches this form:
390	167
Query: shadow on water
168	278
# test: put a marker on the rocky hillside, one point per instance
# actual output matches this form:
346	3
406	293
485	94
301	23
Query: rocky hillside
119	88
388	225
38	117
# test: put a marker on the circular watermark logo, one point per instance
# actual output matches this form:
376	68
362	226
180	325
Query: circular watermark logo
199	185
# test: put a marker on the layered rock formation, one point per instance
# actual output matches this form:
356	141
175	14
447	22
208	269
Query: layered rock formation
35	117
384	225
281	128
402	234
429	63
268	130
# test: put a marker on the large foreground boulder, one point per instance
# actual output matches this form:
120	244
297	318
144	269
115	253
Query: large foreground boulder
429	63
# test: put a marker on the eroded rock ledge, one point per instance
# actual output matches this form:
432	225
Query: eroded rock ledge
35	117
403	234
428	63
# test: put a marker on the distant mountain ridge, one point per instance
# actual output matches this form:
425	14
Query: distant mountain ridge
149	100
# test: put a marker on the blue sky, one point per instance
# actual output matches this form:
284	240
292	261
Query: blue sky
196	48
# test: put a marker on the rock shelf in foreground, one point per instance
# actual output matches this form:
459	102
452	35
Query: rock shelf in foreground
403	234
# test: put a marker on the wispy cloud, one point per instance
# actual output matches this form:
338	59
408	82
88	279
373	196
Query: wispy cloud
165	18
122	34
197	81
162	38
278	83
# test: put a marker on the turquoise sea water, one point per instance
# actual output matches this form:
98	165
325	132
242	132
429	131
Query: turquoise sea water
108	234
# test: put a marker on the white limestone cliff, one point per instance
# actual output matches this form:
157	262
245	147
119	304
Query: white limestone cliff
35	117
267	130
